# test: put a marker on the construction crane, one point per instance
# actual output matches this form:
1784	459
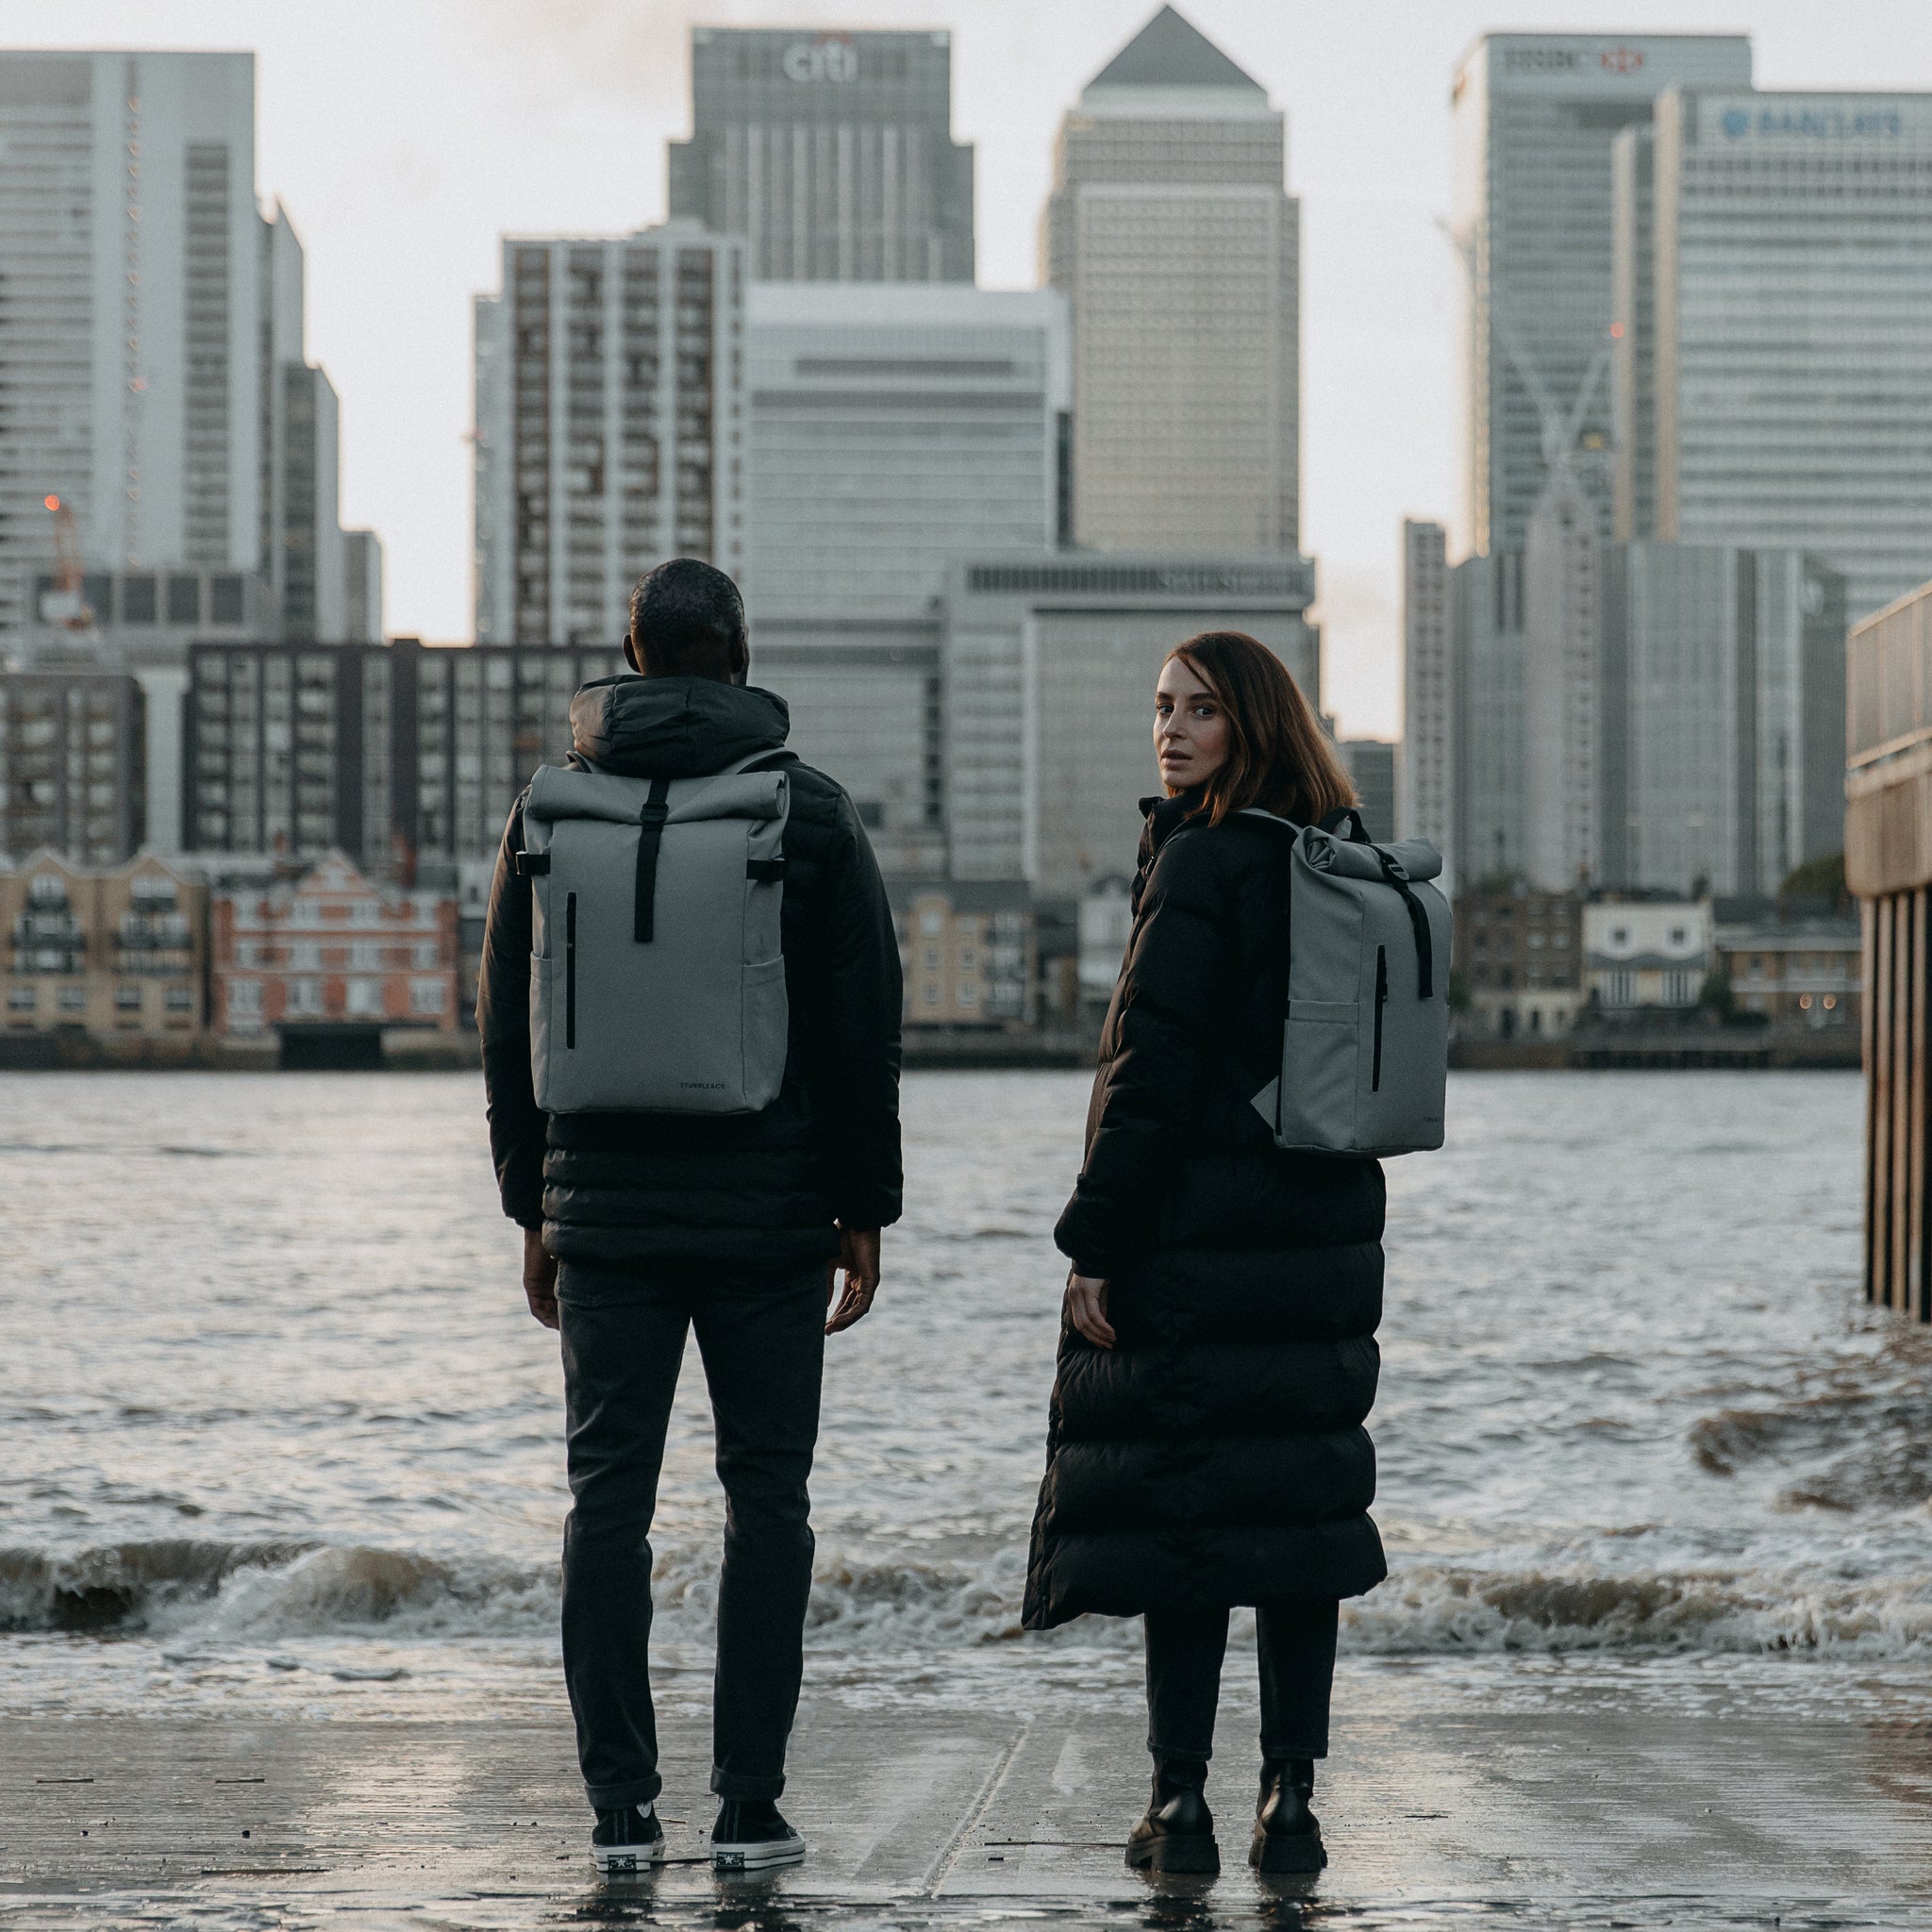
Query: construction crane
66	603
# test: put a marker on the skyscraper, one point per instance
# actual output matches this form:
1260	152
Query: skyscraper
1785	357
1425	771
1534	118
831	154
150	330
1171	233
609	385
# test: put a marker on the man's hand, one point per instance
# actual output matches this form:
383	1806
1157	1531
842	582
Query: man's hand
858	1256
1086	1309
540	1278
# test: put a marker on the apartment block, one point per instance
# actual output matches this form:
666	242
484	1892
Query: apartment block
1519	957
1652	953
609	429
967	951
116	950
72	777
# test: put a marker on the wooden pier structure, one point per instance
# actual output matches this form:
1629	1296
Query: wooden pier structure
1889	865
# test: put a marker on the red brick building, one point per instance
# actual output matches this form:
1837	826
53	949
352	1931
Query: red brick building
328	949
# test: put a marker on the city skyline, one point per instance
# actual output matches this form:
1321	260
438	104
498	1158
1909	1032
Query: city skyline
402	175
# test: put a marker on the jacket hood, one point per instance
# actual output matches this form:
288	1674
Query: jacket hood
674	728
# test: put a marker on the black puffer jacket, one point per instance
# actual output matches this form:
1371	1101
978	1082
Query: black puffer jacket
1216	1456
751	1191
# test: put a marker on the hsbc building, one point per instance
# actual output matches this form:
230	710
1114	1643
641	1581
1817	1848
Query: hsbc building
1534	117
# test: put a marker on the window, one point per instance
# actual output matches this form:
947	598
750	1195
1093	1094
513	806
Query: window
929	994
73	999
127	999
179	1000
932	924
306	956
969	960
225	596
425	996
1620	936
22	999
968	994
138	600
424	955
305	998
930	958
1679	935
365	955
365	998
244	999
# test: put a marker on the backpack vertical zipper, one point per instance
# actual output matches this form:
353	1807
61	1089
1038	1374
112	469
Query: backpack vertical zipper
570	979
1381	1001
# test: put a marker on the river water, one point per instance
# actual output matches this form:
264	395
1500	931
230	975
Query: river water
276	1433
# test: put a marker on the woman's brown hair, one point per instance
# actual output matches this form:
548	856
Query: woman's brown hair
1278	757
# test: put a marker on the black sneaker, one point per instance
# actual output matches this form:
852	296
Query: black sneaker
628	1840
750	1836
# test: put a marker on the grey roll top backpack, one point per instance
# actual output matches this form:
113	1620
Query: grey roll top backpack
656	980
1365	1043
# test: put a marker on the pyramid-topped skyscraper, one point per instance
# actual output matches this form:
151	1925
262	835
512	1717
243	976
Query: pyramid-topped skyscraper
1172	232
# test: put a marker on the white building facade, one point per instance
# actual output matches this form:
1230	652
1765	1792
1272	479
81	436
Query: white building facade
1172	236
609	426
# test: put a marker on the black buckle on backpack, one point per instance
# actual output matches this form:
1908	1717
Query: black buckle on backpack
529	864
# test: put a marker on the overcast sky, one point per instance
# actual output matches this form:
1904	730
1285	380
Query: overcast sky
406	135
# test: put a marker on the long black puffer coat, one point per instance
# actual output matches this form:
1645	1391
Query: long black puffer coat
1217	1454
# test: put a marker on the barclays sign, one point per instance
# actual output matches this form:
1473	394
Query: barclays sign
1814	124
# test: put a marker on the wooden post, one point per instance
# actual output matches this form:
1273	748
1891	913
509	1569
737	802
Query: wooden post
1882	1063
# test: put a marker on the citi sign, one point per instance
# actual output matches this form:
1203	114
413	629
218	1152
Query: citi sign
831	57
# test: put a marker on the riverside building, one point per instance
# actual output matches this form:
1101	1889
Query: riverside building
830	154
108	950
153	332
1172	236
1775	299
610	429
72	776
1533	118
891	430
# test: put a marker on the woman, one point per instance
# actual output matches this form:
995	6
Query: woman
1217	1359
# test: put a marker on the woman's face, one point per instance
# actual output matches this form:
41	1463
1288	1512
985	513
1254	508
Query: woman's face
1190	734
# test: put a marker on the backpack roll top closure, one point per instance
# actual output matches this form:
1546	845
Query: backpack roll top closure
1364	1060
660	988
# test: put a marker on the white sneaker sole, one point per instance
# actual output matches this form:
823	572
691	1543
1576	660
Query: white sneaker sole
759	1856
621	1860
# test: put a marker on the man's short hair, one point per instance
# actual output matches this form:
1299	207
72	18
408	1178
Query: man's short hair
689	621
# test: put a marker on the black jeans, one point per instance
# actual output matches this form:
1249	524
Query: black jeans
1295	1637
762	1340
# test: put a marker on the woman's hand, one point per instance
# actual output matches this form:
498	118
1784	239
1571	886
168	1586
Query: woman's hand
1086	1308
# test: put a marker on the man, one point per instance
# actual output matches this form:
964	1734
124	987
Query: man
637	1226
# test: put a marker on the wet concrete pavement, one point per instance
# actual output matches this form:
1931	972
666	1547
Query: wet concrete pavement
1444	1817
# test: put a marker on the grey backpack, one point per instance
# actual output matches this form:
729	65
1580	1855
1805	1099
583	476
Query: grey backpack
656	980
1365	1046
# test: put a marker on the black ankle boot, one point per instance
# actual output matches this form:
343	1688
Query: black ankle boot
1177	1832
1288	1835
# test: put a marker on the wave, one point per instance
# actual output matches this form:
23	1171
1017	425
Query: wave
211	1591
1431	1610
